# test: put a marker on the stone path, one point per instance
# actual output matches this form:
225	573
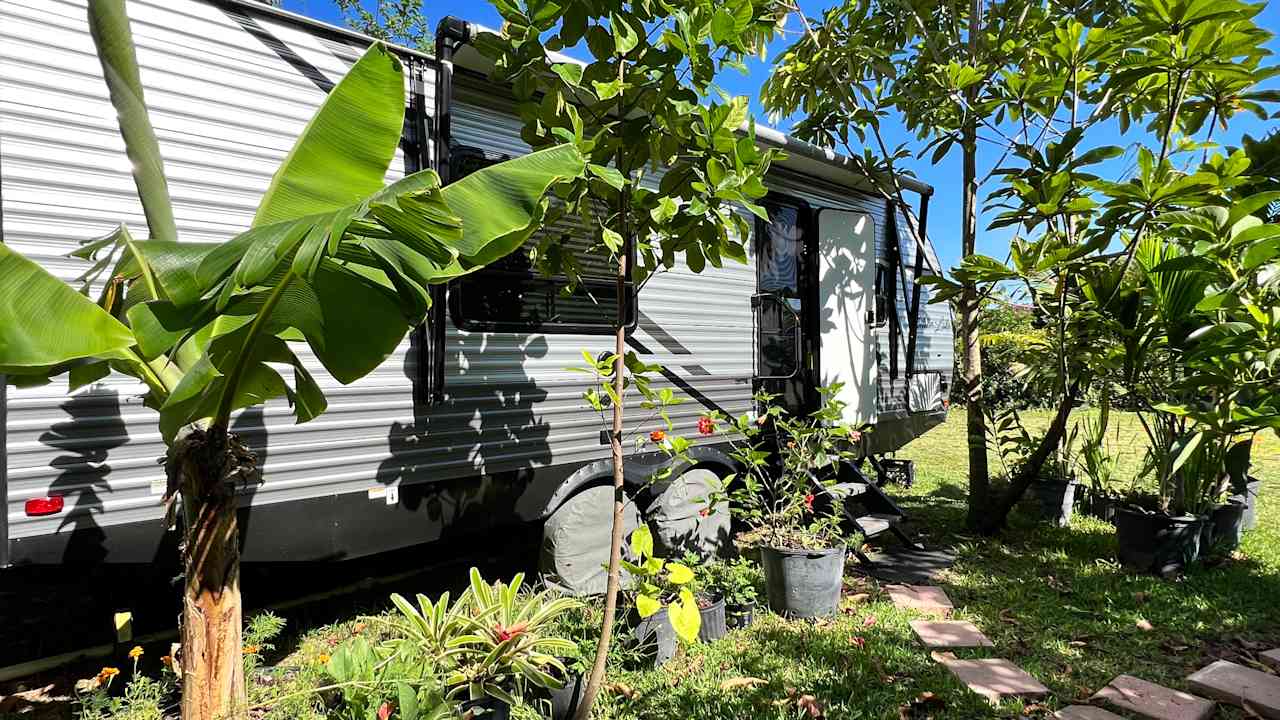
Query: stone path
995	679
1238	685
924	598
1085	712
949	634
1151	701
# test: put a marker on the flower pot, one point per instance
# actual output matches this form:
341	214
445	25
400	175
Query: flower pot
1158	543
714	623
739	616
803	583
565	700
1099	505
1227	525
1056	500
656	638
1249	498
486	709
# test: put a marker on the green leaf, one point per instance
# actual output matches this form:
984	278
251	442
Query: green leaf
642	542
363	323
45	323
646	605
625	38
610	175
678	574
109	25
342	155
686	620
571	73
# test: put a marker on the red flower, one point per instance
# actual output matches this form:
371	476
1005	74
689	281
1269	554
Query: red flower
706	425
858	641
385	710
658	436
704	512
808	501
503	634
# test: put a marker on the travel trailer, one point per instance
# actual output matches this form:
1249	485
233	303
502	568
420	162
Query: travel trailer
475	421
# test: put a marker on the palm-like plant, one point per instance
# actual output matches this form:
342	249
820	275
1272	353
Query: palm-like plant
333	258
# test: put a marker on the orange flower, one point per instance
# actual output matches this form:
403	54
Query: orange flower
323	657
136	652
250	649
167	660
359	627
658	436
106	673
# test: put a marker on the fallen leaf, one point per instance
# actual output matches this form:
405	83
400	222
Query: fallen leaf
742	682
1141	597
922	703
869	621
809	704
1077	643
859	597
622	689
1006	616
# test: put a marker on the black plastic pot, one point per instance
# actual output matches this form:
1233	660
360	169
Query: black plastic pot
1249	498
565	701
803	583
714	622
1056	500
1227	524
486	709
1158	543
656	638
739	616
1100	506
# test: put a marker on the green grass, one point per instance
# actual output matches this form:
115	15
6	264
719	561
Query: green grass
1053	600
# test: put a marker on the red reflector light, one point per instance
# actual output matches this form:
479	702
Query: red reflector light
44	505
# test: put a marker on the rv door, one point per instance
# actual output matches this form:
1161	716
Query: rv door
846	283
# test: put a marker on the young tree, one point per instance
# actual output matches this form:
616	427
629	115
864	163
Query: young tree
396	21
333	259
1025	80
668	161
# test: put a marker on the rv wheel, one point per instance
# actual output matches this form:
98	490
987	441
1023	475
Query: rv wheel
575	541
683	522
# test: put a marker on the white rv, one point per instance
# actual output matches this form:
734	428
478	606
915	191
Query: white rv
475	421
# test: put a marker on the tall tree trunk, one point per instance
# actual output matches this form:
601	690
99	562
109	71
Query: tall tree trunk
970	312
209	465
596	678
995	516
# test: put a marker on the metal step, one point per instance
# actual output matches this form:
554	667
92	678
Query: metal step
877	523
846	491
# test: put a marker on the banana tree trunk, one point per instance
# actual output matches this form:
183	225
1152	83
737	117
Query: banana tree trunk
209	465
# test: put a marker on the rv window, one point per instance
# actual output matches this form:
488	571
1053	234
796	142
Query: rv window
511	295
883	306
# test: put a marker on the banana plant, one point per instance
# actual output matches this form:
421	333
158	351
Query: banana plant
333	258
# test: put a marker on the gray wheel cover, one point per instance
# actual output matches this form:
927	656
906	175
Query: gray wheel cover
678	526
575	541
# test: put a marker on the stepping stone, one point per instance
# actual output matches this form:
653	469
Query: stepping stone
949	634
924	598
1154	702
900	564
995	679
1271	658
1085	712
1238	685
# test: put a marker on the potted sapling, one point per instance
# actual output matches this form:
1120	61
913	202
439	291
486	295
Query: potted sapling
662	599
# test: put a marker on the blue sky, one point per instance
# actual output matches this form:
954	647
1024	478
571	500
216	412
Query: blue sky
944	208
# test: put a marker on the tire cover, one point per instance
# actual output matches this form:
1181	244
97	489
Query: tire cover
575	541
678	525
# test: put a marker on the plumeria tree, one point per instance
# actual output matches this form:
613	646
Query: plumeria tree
333	258
670	157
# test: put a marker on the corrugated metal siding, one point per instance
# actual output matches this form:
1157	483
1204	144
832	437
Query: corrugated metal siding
226	109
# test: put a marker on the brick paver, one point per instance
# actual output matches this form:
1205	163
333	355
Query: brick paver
949	634
924	598
1085	712
1238	685
1271	658
994	679
1152	701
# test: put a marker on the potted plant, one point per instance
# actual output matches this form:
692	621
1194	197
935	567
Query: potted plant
492	645
1098	465
736	582
712	606
788	463
662	598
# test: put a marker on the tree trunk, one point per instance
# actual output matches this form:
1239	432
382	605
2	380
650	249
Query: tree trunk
970	312
995	517
209	465
596	678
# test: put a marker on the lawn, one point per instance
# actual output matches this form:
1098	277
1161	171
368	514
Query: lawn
1053	600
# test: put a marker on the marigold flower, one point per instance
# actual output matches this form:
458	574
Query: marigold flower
167	660
706	425
250	650
136	652
323	657
658	436
359	627
106	673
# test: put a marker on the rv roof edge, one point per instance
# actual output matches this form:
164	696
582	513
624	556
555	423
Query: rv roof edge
769	135
263	8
